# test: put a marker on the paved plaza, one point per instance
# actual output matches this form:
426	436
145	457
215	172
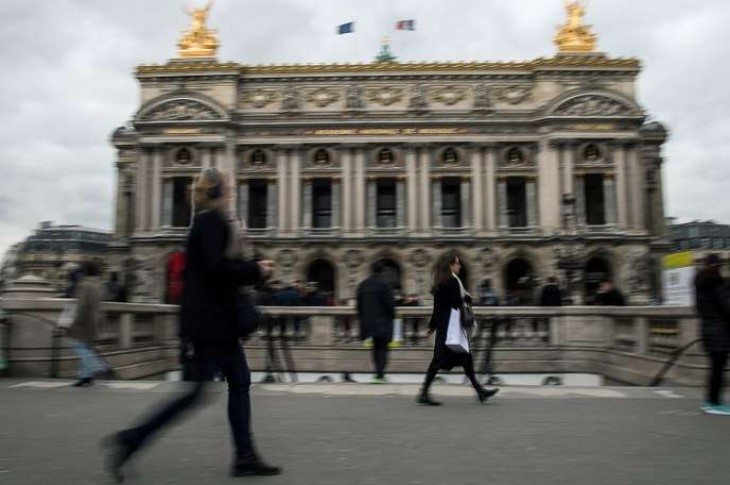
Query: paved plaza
366	434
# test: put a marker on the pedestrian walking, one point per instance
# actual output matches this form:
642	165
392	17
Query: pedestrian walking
210	314
712	297
448	293
609	295
376	311
550	295
85	324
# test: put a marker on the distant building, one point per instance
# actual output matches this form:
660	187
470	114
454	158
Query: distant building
702	237
52	251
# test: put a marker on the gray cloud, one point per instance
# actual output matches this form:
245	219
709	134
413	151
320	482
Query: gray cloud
68	78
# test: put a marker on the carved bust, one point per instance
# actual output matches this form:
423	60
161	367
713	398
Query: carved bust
183	156
321	157
592	153
450	156
258	158
385	156
515	155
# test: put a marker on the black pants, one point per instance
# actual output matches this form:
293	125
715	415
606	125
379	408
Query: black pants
380	356
206	361
433	369
716	381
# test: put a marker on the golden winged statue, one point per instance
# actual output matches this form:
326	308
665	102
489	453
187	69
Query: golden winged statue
575	36
198	41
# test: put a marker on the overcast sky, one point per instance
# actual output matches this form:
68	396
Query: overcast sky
67	78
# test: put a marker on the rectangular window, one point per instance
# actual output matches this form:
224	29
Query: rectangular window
386	207
257	204
595	206
451	202
321	204
706	243
181	201
517	201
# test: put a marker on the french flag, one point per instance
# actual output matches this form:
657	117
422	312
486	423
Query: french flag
405	25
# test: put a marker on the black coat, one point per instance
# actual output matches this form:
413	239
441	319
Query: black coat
551	296
712	298
375	308
447	296
612	297
209	306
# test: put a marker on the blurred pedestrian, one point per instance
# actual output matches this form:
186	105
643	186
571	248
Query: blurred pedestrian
551	295
609	295
376	311
84	329
712	297
448	293
210	311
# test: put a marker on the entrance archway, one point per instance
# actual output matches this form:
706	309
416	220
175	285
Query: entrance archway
322	272
596	270
519	282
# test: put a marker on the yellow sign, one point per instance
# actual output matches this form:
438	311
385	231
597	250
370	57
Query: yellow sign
388	131
678	260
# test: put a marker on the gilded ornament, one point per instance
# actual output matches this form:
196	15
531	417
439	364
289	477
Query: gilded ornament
448	95
513	93
386	95
322	97
181	110
198	41
260	98
575	36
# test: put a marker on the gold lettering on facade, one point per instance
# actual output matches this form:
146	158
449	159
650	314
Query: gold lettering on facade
594	127
389	131
182	131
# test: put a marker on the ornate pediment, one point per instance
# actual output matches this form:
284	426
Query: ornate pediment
181	110
594	105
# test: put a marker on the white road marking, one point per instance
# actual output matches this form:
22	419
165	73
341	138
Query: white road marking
42	384
140	386
669	394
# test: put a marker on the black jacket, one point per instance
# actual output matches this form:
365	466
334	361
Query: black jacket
551	296
446	298
712	298
208	310
375	308
611	298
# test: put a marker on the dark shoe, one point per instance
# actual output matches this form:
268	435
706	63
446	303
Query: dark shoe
253	466
485	394
116	452
426	400
85	382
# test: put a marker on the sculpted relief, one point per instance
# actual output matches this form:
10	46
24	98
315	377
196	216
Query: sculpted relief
181	109
259	98
448	95
592	105
385	95
513	93
322	97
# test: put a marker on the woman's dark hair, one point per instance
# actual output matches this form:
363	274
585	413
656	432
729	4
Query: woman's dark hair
442	269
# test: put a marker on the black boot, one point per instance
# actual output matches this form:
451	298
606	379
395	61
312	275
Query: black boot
425	399
84	382
116	450
483	394
253	465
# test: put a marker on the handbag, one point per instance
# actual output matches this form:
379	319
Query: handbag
467	315
249	317
457	339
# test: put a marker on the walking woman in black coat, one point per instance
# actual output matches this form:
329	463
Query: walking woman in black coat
713	305
448	292
209	312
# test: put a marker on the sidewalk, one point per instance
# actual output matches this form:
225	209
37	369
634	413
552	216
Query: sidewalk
366	434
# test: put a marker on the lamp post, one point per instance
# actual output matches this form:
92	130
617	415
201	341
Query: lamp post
570	254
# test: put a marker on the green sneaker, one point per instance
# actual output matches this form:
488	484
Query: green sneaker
379	380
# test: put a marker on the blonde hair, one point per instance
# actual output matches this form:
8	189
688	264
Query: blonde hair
204	184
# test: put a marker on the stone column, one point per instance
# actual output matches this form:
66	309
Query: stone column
490	187
502	204
272	198
242	194
531	202
477	199
549	187
282	190
205	156
580	201
412	181
336	218
424	163
307	205
140	187
636	181
372	201
466	220
400	197
609	198
296	197
437	204
621	189
228	164
568	160
167	189
360	191
156	188
346	201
